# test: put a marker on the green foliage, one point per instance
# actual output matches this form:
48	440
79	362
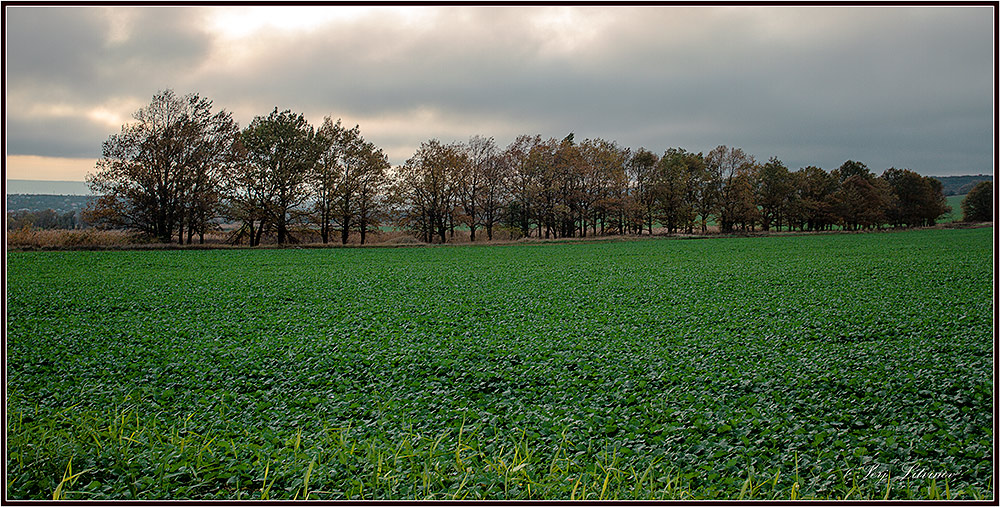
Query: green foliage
752	368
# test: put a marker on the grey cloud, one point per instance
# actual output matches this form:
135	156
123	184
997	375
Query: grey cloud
66	53
52	47
893	86
63	137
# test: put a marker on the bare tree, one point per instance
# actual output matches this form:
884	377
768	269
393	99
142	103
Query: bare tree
159	173
496	178
470	180
372	186
425	190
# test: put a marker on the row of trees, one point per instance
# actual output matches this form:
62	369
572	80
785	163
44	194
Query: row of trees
181	169
44	219
564	189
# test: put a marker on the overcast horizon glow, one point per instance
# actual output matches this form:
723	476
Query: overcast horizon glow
907	87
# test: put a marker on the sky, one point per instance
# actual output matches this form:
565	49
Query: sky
906	87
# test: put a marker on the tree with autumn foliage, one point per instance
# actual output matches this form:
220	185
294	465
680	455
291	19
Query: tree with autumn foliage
774	193
160	175
918	199
862	201
978	203
737	169
425	190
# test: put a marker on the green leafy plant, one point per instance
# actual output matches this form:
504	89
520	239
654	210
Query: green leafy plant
807	367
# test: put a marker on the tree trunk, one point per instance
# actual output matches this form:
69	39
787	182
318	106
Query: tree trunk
260	233
324	227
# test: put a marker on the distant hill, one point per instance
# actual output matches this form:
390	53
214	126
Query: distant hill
960	185
38	202
47	187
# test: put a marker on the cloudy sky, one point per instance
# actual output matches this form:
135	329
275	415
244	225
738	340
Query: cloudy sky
909	87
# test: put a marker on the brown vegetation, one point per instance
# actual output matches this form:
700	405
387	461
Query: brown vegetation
35	239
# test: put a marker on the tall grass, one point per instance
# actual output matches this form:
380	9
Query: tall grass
124	452
28	239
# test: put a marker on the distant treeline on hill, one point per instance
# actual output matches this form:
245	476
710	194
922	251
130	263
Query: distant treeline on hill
42	202
960	185
36	211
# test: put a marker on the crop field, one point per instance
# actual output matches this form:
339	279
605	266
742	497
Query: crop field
815	366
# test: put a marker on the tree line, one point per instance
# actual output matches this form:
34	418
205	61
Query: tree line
44	219
179	170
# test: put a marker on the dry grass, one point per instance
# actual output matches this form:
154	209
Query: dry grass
56	239
95	239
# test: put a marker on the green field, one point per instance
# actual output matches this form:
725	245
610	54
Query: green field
843	365
955	215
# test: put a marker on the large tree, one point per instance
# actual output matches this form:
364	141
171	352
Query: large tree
372	186
863	202
160	173
470	181
348	181
813	198
774	193
675	188
281	152
642	176
604	186
521	160
425	189
327	175
918	199
496	179
736	202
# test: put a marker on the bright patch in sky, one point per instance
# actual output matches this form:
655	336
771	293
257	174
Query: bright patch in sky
33	167
109	116
241	22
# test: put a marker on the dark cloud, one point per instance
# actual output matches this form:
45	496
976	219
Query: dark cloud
90	54
903	86
62	137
